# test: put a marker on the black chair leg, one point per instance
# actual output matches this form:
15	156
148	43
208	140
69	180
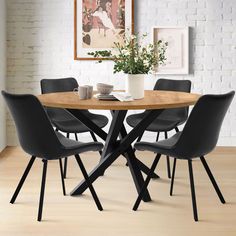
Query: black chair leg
173	171
62	178
65	161
65	168
76	137
168	166
92	190
144	187
194	203
217	189
95	140
45	163
168	160
173	177
140	137
22	180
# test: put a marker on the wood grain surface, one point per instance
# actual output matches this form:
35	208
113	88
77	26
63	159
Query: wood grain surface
152	100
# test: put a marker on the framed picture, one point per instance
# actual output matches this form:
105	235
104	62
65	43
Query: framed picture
177	52
100	23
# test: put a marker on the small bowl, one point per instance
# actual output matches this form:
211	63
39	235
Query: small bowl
104	88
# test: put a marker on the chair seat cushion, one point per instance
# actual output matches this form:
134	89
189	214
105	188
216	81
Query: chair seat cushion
72	147
70	126
100	120
64	121
158	125
165	147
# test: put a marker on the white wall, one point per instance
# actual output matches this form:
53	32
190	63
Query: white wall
2	72
40	45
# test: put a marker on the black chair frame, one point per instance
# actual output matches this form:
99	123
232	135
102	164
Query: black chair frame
181	114
63	85
198	138
38	138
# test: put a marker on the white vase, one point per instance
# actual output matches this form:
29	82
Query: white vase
135	85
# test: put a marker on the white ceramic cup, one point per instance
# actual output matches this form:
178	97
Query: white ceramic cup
89	91
83	92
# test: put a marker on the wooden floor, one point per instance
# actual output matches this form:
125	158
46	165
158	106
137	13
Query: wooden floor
164	216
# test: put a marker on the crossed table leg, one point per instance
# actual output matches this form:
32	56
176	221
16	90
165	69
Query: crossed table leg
114	148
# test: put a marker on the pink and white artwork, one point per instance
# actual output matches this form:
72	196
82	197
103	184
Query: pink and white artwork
101	23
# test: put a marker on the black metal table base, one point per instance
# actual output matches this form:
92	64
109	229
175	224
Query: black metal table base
114	148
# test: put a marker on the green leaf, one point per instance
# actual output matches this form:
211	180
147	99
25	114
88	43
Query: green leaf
133	57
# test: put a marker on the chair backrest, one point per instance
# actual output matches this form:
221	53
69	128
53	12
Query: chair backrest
58	85
201	132
54	86
35	132
180	114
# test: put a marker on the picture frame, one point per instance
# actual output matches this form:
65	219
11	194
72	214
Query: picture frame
100	23
177	52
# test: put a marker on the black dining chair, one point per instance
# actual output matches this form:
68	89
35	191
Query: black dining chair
169	119
38	138
62	119
198	138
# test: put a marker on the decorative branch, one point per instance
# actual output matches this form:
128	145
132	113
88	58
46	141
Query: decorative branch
133	57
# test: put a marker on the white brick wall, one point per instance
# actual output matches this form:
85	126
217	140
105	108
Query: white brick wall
2	72
40	45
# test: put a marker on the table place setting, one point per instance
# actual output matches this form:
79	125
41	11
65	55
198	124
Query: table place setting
105	93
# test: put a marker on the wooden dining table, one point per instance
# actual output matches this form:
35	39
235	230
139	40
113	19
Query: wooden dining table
117	141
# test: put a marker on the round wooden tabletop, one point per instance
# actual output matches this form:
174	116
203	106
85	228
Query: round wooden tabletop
152	100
